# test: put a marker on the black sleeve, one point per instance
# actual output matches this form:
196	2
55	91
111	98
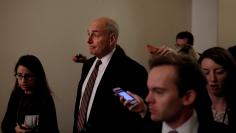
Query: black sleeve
48	117
10	118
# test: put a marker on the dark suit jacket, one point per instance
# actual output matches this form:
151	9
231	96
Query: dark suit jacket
206	125
107	113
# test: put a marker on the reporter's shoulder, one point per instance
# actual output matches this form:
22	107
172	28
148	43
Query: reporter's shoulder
217	127
135	63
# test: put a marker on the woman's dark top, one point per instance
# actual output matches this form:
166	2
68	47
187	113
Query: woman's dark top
21	104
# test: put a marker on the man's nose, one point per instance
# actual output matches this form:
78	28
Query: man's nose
90	40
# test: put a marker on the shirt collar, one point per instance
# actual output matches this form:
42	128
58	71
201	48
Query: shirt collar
105	60
190	126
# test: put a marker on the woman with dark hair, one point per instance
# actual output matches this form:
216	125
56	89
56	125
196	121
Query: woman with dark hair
31	107
219	68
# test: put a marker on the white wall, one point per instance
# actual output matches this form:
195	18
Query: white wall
227	21
205	24
55	30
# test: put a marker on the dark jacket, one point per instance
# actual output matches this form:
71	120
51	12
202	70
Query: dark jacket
206	125
21	104
107	113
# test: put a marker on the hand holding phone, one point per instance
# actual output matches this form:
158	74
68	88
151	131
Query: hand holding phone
120	92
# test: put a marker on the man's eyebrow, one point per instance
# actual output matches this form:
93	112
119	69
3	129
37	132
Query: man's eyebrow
157	88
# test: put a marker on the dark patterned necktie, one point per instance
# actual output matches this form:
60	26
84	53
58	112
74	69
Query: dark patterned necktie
86	97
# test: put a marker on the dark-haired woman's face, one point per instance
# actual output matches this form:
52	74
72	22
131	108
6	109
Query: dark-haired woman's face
215	75
25	79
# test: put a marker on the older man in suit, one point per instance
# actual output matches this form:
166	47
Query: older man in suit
104	112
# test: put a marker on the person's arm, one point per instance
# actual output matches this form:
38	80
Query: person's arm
48	118
164	50
9	120
147	125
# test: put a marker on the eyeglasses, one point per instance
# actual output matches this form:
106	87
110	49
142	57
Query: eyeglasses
27	77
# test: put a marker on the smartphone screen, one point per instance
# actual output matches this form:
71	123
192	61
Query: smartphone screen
126	96
122	93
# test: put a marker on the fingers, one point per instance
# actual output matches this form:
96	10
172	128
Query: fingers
127	103
122	100
79	58
155	50
132	107
162	51
151	49
136	97
19	128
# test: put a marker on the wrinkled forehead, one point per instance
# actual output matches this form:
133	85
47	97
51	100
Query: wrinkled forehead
97	25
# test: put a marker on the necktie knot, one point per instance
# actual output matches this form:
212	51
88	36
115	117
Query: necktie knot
98	63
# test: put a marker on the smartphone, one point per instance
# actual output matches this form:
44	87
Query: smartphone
120	92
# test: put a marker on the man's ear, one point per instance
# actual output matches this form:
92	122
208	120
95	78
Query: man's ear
113	38
189	97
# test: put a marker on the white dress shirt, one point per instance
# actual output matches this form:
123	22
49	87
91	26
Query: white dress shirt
105	60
